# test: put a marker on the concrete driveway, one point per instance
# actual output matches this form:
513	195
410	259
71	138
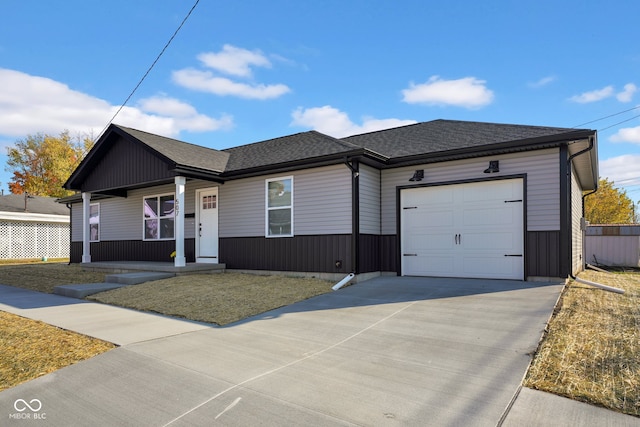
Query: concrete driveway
389	351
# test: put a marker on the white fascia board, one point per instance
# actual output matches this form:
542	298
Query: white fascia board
33	217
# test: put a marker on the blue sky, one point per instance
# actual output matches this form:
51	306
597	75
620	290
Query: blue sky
241	72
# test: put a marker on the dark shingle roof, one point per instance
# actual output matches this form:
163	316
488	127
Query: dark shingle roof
300	146
182	153
437	138
446	135
35	204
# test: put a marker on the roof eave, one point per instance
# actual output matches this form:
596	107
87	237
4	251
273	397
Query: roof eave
549	141
319	161
193	172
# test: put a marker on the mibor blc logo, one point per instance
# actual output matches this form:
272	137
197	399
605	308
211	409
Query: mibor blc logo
27	410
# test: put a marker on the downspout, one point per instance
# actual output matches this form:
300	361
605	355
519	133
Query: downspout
584	230
354	166
569	204
570	225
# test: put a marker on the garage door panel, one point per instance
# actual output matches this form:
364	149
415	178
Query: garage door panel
464	230
489	267
431	265
490	216
503	242
429	218
437	195
423	246
481	193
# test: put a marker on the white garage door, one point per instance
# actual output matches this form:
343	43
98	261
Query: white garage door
463	230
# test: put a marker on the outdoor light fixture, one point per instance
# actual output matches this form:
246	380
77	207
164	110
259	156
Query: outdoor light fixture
493	167
417	175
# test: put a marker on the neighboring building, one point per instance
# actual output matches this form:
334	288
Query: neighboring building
33	227
440	198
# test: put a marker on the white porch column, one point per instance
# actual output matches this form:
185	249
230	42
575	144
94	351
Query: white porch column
86	228
180	260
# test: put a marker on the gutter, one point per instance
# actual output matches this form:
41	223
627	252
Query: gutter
570	228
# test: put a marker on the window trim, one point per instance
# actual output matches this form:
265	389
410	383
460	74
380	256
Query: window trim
144	220
98	205
268	209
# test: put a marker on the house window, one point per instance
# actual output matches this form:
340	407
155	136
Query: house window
209	202
159	218
94	222
279	215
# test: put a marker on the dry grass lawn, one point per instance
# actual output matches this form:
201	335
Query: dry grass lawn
43	277
29	349
221	298
591	352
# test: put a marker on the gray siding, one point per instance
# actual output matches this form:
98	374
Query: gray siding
369	200
121	218
576	231
321	203
543	184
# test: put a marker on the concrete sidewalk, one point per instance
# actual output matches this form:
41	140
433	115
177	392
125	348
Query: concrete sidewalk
389	351
118	325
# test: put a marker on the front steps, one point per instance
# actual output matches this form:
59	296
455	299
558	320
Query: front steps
112	281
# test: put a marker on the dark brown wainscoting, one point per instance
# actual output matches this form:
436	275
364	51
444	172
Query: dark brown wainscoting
300	253
317	253
378	253
133	250
543	254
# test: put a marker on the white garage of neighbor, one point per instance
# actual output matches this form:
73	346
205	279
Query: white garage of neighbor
471	229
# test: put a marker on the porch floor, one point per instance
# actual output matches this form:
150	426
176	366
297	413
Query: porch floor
167	267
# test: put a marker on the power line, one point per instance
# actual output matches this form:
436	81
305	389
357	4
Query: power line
151	67
606	117
634	179
619	123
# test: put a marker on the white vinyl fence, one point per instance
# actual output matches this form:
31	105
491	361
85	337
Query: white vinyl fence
25	239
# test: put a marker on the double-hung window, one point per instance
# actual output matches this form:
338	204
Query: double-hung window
279	202
159	217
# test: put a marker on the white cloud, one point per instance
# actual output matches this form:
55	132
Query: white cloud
468	92
31	104
542	82
336	123
205	81
167	106
627	94
622	170
234	60
631	135
593	96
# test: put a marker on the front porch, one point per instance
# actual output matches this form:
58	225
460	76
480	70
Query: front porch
164	267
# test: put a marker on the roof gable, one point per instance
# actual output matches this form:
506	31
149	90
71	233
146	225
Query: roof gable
125	157
182	153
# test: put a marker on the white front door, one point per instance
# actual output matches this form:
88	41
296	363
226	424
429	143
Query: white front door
207	225
464	230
